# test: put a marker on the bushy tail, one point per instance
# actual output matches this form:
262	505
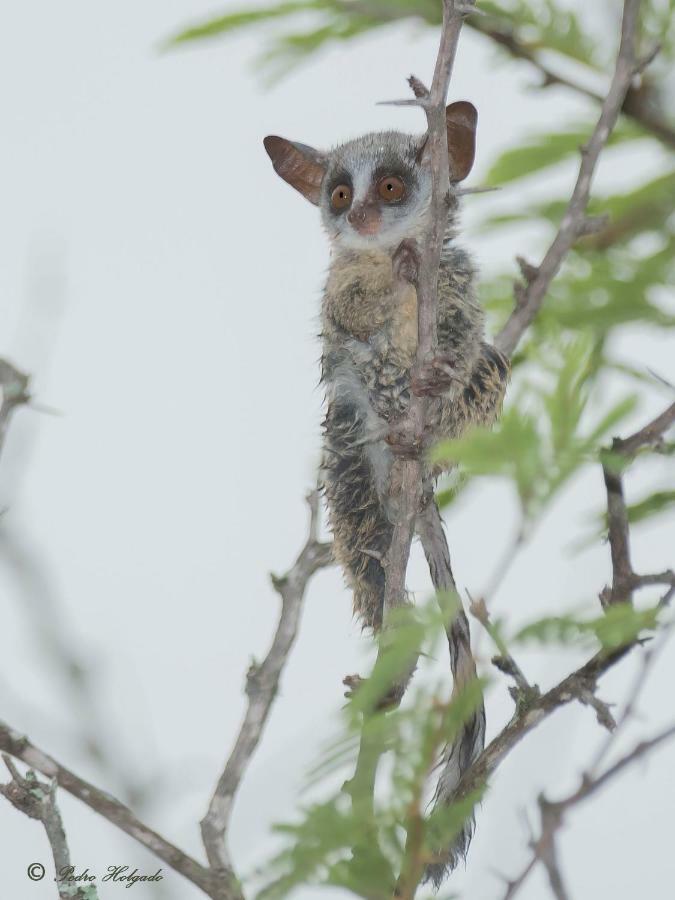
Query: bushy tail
361	530
460	755
362	535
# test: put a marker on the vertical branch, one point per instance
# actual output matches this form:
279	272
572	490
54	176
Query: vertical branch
262	683
406	483
529	297
619	539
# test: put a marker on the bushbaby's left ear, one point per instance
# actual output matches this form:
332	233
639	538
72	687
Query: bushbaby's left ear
461	119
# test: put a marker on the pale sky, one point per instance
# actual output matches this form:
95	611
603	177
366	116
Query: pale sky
163	285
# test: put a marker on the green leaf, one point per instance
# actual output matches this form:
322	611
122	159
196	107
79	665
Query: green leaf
652	505
235	21
548	149
612	418
620	624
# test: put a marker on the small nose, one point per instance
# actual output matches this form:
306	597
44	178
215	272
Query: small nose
356	215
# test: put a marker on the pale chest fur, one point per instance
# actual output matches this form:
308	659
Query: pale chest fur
403	325
364	299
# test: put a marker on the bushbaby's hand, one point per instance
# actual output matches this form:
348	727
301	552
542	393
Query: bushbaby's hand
390	700
403	444
406	262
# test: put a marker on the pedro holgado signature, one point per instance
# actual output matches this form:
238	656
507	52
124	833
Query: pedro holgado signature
120	874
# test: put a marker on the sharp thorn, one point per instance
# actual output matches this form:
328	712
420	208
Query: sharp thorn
421	102
465	9
483	189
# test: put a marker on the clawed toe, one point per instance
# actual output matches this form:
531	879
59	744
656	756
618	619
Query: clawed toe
390	700
352	683
435	378
403	446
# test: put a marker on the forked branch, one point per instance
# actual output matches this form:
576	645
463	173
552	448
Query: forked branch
624	578
20	747
552	814
38	801
262	683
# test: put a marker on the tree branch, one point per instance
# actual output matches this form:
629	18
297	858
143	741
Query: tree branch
504	661
529	717
262	682
530	296
406	491
20	747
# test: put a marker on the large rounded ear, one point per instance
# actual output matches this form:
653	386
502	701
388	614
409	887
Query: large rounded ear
461	119
299	165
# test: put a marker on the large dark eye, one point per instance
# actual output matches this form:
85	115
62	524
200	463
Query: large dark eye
391	189
341	197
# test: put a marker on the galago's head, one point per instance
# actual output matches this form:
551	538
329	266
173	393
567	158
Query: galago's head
373	192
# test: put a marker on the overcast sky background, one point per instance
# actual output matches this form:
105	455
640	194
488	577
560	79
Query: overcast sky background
163	285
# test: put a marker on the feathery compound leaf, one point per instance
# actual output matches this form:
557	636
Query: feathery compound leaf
220	26
619	625
540	442
548	149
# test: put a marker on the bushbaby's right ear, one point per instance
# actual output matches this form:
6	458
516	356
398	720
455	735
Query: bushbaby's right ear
299	165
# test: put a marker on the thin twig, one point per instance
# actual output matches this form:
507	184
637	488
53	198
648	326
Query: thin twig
38	801
635	105
505	661
14	392
262	684
553	813
649	436
624	578
530	296
651	654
